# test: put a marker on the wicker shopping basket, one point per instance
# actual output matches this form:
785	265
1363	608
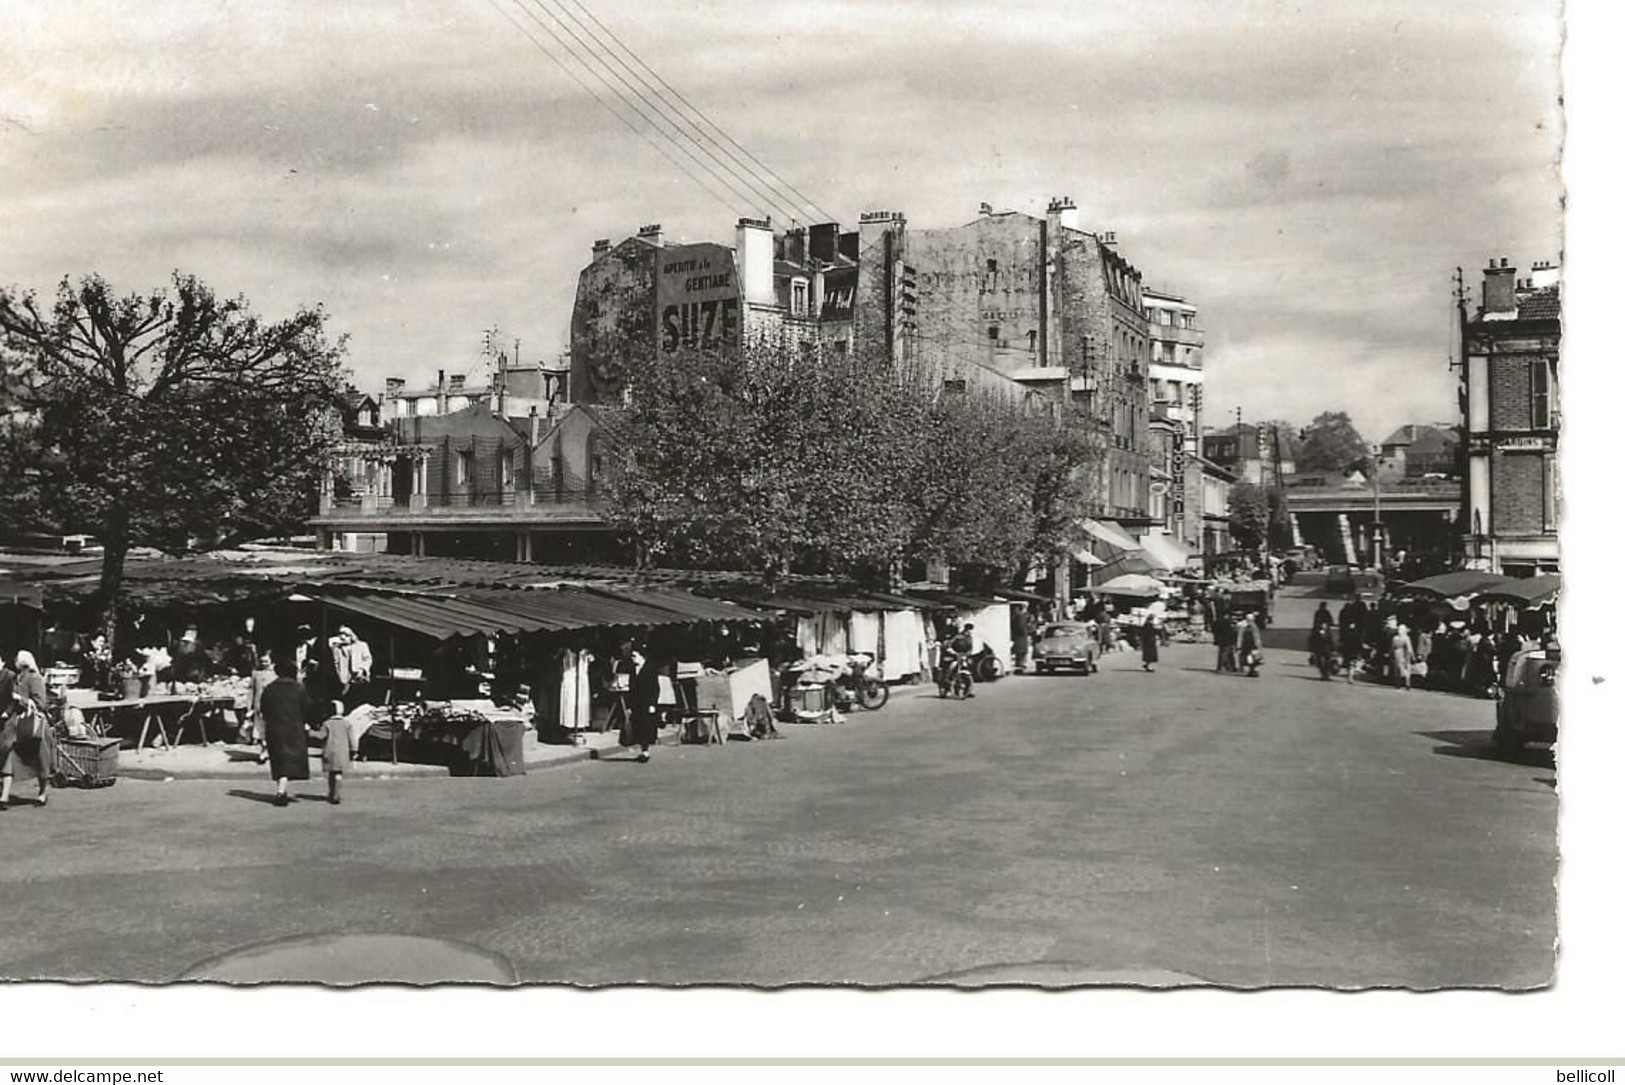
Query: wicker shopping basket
87	762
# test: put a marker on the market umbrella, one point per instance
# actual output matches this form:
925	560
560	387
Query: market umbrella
1450	585
1534	591
1131	584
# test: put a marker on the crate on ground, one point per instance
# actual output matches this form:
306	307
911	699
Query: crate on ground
87	762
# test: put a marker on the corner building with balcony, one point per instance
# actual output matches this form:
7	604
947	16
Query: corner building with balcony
1509	406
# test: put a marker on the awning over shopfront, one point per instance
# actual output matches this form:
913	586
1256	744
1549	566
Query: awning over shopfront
1084	557
1109	533
1165	552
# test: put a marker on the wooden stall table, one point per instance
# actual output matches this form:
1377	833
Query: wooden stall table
186	709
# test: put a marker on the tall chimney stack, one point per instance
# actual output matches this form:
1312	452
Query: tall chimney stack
753	254
1065	212
1500	289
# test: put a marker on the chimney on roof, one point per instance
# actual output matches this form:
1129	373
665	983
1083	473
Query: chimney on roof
795	246
822	241
1108	238
393	386
753	255
600	247
440	393
650	233
1500	288
1064	212
1545	274
985	209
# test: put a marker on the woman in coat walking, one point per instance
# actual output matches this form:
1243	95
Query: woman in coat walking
287	711
1247	646
644	702
1150	633
25	736
1402	655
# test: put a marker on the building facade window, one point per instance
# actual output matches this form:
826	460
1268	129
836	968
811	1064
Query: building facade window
798	298
1540	394
465	466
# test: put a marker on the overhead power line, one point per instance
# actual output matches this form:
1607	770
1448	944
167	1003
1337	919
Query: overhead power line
780	182
731	164
614	85
709	189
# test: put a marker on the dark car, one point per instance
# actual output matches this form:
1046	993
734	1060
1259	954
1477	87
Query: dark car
1069	645
1527	710
1340	579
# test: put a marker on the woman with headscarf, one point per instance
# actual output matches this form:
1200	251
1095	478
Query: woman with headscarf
286	707
1249	645
1402	654
1150	632
25	736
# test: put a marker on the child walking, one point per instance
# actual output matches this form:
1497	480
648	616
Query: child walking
338	746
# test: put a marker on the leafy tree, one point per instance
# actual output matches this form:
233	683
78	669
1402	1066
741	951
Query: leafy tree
172	420
781	461
1331	443
1249	515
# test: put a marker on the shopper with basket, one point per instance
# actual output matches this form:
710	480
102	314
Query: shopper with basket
25	736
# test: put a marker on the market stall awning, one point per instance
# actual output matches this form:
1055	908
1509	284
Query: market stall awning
436	617
1134	585
1450	585
1165	551
1021	595
21	595
1534	591
955	599
684	604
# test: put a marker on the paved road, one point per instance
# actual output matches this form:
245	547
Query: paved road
1125	827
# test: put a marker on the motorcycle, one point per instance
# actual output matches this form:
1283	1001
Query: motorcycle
953	678
986	665
856	686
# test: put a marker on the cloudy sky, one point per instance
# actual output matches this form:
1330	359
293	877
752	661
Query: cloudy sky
1309	173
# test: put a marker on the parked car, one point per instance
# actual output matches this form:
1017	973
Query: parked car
1069	645
1527	710
1340	579
1307	557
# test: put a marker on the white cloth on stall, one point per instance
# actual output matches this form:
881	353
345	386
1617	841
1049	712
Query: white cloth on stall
807	637
575	691
993	630
864	633
753	677
904	643
832	633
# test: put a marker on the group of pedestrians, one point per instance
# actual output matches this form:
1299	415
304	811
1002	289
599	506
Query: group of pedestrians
1239	642
1407	644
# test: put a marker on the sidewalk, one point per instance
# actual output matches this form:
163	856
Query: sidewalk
230	761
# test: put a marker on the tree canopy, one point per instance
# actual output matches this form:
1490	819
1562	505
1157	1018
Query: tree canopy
1331	443
173	419
1249	515
781	461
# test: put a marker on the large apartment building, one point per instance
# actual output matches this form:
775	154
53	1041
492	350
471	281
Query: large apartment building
1509	405
1009	303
